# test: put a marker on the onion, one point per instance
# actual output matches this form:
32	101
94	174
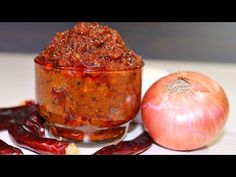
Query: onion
184	110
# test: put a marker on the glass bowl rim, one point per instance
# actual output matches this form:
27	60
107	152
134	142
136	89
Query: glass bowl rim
98	69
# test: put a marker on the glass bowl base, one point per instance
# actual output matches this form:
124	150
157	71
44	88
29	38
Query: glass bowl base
88	136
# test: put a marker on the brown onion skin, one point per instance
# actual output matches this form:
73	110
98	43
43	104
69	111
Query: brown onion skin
184	120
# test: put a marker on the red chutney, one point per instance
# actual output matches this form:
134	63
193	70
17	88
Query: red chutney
88	84
89	46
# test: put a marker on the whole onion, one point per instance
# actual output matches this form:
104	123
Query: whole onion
184	110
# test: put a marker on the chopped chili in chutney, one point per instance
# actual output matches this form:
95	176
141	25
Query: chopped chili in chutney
88	84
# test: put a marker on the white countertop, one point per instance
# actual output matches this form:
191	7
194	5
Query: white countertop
17	84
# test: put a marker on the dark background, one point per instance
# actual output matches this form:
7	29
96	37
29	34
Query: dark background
164	40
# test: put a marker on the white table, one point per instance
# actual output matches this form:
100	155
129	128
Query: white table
17	84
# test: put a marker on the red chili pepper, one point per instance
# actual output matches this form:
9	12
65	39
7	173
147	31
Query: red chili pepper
25	115
19	112
3	123
6	149
34	124
44	146
132	147
7	114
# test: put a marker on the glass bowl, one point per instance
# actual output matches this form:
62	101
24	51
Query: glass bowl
88	105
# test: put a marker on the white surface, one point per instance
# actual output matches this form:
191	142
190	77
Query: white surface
17	84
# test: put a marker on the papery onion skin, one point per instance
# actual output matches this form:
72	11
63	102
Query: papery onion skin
184	110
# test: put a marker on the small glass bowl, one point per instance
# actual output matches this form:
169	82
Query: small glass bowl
85	105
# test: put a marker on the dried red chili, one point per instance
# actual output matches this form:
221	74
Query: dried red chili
6	114
34	124
25	115
132	147
3	123
6	149
46	146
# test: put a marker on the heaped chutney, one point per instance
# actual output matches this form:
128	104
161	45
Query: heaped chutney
88	84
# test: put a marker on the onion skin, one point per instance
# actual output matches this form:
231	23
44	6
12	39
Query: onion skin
184	111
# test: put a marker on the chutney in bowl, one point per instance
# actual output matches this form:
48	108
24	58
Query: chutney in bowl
88	84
